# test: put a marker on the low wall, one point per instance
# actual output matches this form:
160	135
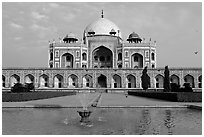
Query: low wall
27	96
170	96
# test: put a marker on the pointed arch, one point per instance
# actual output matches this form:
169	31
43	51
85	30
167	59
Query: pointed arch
58	81
14	79
119	56
72	81
3	81
87	81
200	81
116	81
130	81
29	78
67	60
189	79
137	60
84	56
159	81
175	79
102	57
44	81
153	56
102	81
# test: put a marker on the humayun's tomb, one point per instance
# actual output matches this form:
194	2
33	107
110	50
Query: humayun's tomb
103	59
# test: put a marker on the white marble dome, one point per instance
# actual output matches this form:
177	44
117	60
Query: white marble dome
102	26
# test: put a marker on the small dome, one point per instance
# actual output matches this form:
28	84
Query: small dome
90	30
70	37
134	36
112	30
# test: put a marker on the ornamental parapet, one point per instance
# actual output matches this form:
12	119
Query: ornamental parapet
78	44
115	69
139	44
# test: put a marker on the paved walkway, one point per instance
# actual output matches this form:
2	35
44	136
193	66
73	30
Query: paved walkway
106	100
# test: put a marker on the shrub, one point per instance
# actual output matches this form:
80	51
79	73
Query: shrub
30	86
187	87
174	87
18	87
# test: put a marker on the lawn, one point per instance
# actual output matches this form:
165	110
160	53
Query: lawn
28	96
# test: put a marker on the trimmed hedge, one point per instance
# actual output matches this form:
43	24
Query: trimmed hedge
28	96
157	95
171	96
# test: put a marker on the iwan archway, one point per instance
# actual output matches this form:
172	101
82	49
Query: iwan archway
102	81
102	58
67	60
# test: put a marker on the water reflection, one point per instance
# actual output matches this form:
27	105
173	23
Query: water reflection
144	122
126	121
169	121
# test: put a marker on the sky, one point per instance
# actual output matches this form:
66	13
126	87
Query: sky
28	27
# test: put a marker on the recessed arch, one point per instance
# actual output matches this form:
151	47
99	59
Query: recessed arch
73	81
58	81
67	60
51	55
116	81
87	80
84	56
102	57
119	56
159	81
102	81
137	60
175	79
44	81
14	79
130	81
153	56
29	78
200	81
189	79
3	81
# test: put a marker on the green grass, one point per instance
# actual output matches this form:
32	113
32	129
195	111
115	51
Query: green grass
28	96
170	96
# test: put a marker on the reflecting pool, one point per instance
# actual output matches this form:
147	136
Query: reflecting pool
104	121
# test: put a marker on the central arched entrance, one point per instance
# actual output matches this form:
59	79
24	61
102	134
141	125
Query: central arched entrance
102	58
102	81
67	60
137	60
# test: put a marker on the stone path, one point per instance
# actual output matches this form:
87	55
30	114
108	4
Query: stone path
106	100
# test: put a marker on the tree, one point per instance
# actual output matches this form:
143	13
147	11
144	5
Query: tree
166	80
145	79
29	86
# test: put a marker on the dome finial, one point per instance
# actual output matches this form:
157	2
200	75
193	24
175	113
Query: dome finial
102	14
